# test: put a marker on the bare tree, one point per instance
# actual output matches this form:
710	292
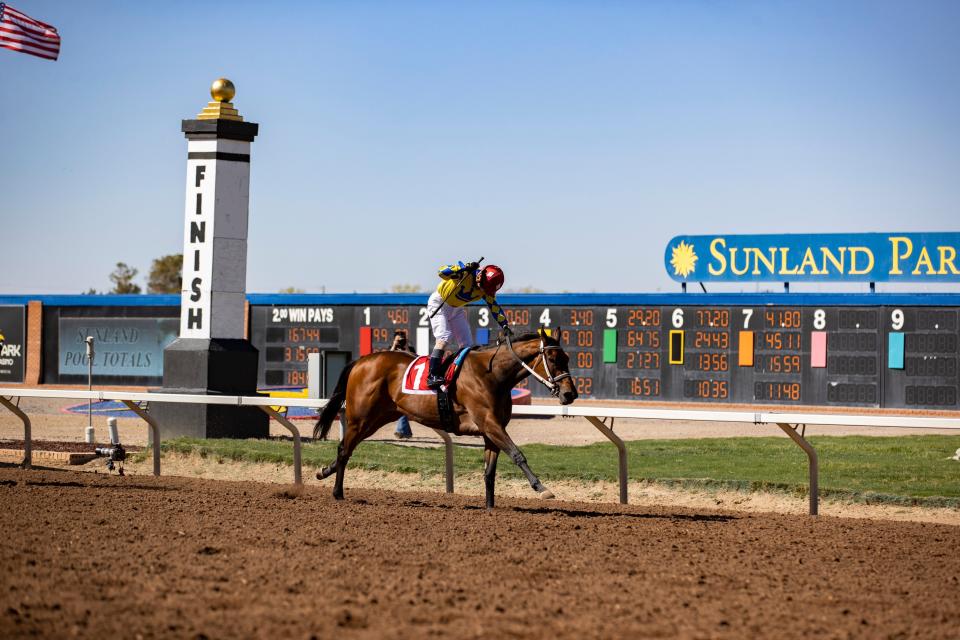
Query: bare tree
406	288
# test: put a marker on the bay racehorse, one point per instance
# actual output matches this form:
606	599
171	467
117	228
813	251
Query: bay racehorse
370	390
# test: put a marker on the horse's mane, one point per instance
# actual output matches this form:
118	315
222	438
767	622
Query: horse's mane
521	338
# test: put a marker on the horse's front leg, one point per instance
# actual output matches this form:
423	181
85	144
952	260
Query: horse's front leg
490	455
498	435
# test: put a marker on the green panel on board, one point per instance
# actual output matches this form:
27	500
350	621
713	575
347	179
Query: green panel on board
609	345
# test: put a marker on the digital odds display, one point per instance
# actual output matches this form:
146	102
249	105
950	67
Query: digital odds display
855	356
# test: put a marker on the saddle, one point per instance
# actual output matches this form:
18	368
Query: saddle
415	381
415	377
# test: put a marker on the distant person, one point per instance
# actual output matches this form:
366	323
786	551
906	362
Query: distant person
460	284
403	431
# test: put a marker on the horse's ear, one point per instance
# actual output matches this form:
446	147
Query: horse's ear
549	333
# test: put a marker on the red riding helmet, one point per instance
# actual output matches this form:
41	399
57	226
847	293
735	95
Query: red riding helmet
491	279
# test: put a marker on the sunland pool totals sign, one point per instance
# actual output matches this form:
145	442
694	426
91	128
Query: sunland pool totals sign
821	257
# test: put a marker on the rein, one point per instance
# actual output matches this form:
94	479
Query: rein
550	382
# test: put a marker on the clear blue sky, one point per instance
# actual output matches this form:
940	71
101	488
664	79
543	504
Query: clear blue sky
566	141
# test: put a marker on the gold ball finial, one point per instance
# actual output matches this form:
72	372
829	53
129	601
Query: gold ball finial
222	90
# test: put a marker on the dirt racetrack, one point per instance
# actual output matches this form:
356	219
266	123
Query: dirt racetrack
90	555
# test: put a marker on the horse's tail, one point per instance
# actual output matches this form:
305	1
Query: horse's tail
334	405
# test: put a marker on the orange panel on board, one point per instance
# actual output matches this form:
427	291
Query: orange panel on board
745	356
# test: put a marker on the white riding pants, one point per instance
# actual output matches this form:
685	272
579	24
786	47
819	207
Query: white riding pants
449	322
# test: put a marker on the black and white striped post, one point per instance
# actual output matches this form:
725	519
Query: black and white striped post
212	356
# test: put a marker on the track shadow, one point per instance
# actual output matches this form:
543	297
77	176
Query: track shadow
80	485
74	483
33	467
581	513
11	465
420	503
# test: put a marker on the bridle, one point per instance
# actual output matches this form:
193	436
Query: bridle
550	382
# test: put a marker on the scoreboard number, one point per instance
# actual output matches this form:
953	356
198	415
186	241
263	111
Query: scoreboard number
545	318
484	319
896	319
747	314
611	318
819	319
677	318
424	320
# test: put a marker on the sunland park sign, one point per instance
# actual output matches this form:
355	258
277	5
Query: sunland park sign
821	257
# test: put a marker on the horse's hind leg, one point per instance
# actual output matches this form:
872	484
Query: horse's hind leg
352	436
326	472
355	433
490	455
499	437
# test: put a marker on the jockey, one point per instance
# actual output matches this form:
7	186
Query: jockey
460	284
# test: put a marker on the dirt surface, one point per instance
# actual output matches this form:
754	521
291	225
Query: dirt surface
98	556
640	493
52	424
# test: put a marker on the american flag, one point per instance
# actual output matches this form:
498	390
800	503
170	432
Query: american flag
20	32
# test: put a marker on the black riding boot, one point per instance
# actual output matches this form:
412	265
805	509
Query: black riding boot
435	377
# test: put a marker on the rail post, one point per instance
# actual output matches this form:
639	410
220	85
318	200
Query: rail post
813	465
27	445
297	465
154	432
448	455
621	452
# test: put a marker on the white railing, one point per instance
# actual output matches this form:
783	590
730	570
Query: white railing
598	416
131	400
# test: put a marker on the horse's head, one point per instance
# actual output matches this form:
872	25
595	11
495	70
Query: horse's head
556	364
544	359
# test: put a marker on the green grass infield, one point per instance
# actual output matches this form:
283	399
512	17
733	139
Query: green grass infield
913	470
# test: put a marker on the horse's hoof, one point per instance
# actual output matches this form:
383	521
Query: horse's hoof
338	496
324	473
546	494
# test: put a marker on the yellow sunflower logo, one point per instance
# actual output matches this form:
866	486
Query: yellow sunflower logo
683	259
